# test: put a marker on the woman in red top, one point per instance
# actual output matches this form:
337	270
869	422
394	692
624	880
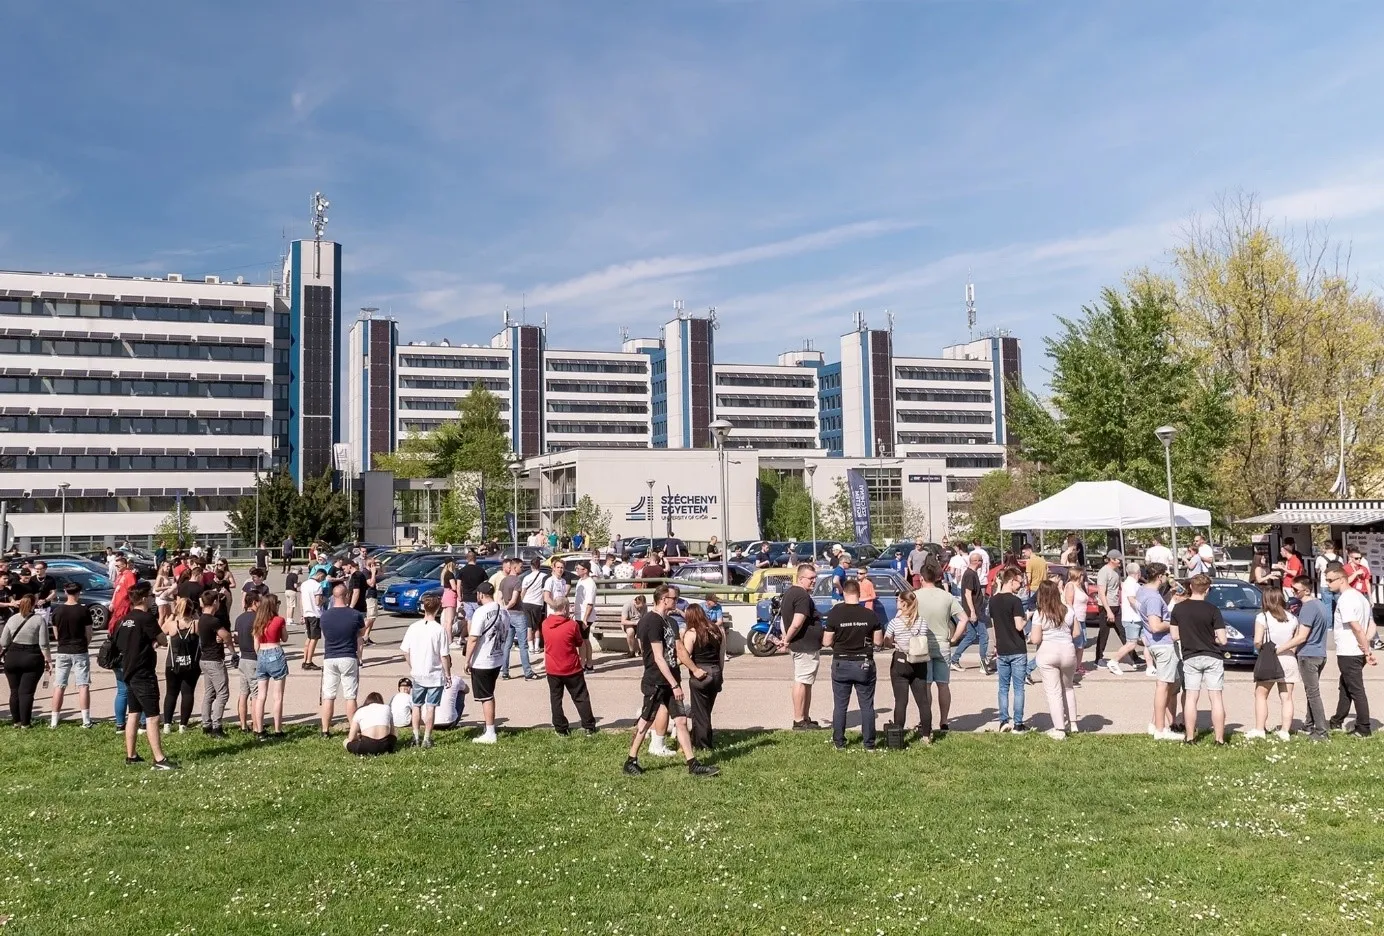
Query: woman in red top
271	666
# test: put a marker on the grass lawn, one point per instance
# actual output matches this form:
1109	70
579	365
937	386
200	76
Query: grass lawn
983	833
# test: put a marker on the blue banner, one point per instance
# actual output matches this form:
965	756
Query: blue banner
860	503
511	525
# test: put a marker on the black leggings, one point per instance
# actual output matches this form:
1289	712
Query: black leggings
704	693
908	677
183	685
23	668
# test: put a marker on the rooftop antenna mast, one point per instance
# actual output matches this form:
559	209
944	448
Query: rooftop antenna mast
677	309
971	310
859	320
319	224
506	317
890	317
711	316
624	334
367	313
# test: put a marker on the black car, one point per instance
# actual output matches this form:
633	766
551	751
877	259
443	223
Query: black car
144	564
97	592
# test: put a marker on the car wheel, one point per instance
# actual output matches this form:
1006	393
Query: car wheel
99	617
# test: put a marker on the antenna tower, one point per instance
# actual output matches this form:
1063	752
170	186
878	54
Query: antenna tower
971	310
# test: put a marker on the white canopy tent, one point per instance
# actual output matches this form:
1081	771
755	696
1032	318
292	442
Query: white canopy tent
1102	505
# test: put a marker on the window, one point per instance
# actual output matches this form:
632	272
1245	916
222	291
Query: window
970	461
944	438
966	417
597	406
771	422
751	442
969	374
452	383
597	366
805	381
942	395
599	428
572	386
766	402
453	362
183	462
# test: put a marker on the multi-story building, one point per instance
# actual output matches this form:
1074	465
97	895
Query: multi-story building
771	407
124	398
371	344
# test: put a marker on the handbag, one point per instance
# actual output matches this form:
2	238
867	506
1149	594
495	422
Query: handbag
918	651
1267	667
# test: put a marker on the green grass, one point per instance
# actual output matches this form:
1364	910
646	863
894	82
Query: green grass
977	834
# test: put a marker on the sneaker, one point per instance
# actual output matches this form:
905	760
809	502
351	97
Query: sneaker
427	743
956	667
1005	727
532	676
261	736
486	737
164	764
1072	728
1254	735
1360	732
1020	728
697	769
563	732
1057	734
1179	727
591	732
326	736
417	741
632	768
806	724
504	675
369	642
943	728
88	724
1315	736
1282	735
1153	732
1114	667
133	760
182	729
1169	735
659	748
1028	678
166	728
218	733
1336	725
279	735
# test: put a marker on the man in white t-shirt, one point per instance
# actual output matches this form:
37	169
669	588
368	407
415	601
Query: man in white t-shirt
1159	553
310	596
427	651
453	703
956	567
531	599
1352	628
584	597
555	591
1130	620
485	655
978	550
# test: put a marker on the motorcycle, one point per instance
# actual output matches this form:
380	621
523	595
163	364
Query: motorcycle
764	636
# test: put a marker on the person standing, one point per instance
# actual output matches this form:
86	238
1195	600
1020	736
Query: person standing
182	666
1199	629
1007	614
427	651
531	599
584	598
372	597
1276	631
956	568
555	590
357	583
1352	628
1156	632
852	631
1074	596
468	578
1358	572
713	550
802	635
1159	553
914	564
72	656
286	555
311	595
973	604
518	627
262	556
1053	632
248	665
1035	566
662	683
705	643
290	606
451	597
1130	622
124	579
1292	563
908	634
674	548
484	658
562	639
25	648
1328	555
137	638
1311	656
343	640
271	666
213	637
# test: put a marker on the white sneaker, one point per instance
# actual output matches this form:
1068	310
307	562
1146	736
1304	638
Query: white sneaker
167	729
1254	735
1057	734
1114	667
182	728
487	737
1168	735
1153	732
1283	735
1072	728
658	747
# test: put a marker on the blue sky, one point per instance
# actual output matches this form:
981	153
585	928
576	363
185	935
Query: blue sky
786	162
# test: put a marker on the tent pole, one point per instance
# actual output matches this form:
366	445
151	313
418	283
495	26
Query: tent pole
1122	546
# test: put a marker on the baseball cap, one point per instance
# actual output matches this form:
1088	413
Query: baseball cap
485	588
1114	554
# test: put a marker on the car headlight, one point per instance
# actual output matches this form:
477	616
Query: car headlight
1233	634
411	593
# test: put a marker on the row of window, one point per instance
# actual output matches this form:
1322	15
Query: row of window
965	461
415	403
72	308
160	504
599	428
453	383
572	386
597	406
597	366
119	386
962	417
163	350
806	380
448	362
831	401
944	438
138	425
831	424
604	443
942	395
129	462
771	422
767	402
428	425
962	484
831	381
969	374
737	441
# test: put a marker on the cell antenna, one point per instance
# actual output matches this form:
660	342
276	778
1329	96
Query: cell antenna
971	310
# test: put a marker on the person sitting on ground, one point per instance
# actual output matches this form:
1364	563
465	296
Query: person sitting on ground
401	704
372	728
453	705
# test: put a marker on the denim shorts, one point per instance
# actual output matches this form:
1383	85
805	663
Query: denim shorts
71	666
427	695
270	663
939	671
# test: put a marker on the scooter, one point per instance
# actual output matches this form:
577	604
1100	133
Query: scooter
764	636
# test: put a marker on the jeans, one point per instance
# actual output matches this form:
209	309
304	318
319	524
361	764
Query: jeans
517	632
122	696
216	692
179	686
1310	669
905	678
1013	668
1352	685
576	688
859	674
976	632
704	693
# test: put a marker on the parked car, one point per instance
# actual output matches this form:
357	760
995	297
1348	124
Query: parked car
145	565
55	560
97	590
1239	602
403	595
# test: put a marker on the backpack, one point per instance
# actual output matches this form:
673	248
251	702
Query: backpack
917	650
108	657
182	652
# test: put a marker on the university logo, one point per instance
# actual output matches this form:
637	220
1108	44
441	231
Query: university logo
640	511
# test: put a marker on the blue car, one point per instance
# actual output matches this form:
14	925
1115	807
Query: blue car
1240	602
888	584
402	595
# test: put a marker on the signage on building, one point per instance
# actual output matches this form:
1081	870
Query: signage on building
673	505
924	479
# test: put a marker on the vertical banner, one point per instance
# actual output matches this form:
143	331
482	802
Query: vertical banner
480	502
860	503
511	524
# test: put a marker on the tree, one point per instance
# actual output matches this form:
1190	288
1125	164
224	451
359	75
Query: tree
277	496
589	517
1118	373
457	517
176	529
1283	325
786	507
998	492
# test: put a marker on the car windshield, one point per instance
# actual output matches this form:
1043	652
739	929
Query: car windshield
417	567
1230	597
89	581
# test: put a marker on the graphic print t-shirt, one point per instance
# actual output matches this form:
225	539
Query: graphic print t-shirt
655	627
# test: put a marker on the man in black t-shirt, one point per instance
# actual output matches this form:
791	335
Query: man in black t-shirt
1199	628
372	597
852	632
256	587
1007	613
213	637
249	659
802	635
42	587
72	656
662	682
137	637
973	603
470	576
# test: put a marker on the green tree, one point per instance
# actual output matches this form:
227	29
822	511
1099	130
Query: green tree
176	529
277	497
588	516
457	517
786	506
997	493
1118	373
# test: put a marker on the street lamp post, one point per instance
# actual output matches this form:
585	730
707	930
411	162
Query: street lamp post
515	463
427	508
721	429
650	483
62	489
1165	435
812	506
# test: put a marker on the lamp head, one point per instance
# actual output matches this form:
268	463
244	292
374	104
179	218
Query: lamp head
721	428
1165	434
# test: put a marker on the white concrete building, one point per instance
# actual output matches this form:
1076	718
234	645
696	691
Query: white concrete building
772	407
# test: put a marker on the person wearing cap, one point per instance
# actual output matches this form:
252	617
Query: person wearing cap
1108	594
484	656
